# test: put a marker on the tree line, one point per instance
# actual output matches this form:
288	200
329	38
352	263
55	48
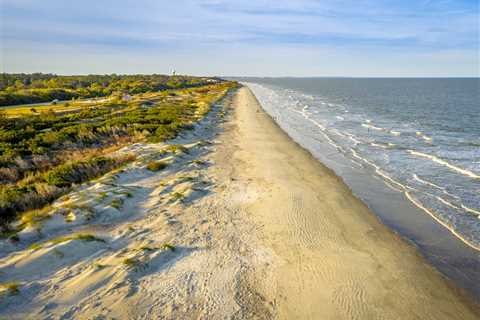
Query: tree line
20	88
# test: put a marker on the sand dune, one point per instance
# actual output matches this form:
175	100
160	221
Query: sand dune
242	223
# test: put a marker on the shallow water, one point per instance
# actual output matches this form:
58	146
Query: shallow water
419	137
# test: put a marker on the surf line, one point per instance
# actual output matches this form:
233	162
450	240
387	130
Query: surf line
416	202
445	163
449	228
403	188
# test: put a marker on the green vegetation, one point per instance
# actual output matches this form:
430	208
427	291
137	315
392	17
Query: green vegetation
45	151
177	196
117	203
147	248
99	266
199	162
102	196
41	187
168	246
34	88
35	217
78	236
176	148
131	263
88	212
11	287
156	165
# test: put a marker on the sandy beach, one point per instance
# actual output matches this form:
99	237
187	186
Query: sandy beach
334	259
243	223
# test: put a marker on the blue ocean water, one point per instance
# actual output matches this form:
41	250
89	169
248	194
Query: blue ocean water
420	136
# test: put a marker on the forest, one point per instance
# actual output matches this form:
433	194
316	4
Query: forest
39	87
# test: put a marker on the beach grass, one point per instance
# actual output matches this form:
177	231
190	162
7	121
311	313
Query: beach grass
168	246
12	287
117	203
79	236
47	150
156	165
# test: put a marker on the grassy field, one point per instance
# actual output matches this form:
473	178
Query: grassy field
62	107
46	150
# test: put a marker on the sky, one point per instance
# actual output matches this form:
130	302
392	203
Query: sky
351	38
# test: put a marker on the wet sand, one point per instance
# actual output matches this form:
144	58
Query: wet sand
335	260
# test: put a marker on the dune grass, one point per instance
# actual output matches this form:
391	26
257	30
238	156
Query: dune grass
177	196
168	246
79	236
12	287
133	263
35	217
99	266
199	162
147	248
87	210
176	148
156	165
102	196
44	154
117	203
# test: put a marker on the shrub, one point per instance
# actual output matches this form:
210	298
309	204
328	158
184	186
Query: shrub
176	148
117	203
131	262
34	217
156	165
43	154
79	171
168	246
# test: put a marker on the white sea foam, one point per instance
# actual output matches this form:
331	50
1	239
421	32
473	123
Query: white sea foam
448	227
378	145
427	182
379	171
395	133
276	105
445	163
369	126
338	133
353	138
447	203
423	136
475	212
319	125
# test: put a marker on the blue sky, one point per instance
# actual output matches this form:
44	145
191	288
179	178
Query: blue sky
259	38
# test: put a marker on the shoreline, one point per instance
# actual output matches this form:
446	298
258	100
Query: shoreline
241	223
449	254
412	258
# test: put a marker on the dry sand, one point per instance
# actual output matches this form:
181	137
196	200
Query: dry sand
260	229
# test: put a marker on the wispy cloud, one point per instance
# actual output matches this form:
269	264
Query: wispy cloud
169	29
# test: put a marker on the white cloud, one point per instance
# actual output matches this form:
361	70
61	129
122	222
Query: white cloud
330	33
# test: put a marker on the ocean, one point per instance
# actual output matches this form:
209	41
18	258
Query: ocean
419	138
